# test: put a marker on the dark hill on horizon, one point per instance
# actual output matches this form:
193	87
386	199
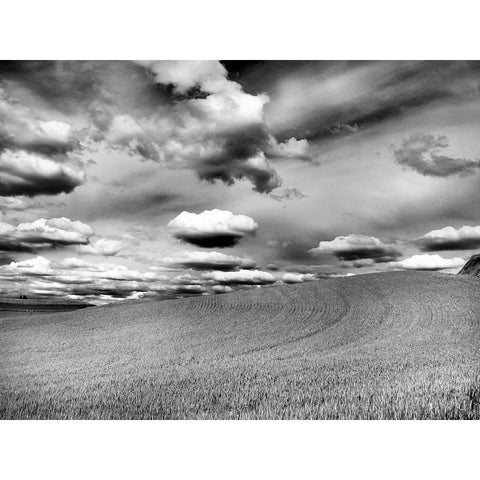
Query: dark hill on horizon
390	345
472	267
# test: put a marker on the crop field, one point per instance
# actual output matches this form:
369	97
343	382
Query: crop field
399	345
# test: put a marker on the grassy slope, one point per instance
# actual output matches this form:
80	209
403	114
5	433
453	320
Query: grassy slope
392	345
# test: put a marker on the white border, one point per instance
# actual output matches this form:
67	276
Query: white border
251	29
238	450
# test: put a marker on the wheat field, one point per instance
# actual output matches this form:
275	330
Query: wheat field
399	345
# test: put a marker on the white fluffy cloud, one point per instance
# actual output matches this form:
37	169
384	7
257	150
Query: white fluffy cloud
291	148
103	246
209	261
54	131
242	277
32	266
222	289
429	262
356	247
43	233
212	228
449	238
298	277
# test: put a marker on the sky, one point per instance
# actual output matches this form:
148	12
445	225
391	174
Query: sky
159	179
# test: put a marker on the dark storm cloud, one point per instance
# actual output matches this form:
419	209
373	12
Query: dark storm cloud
421	152
212	228
357	247
5	259
449	238
210	240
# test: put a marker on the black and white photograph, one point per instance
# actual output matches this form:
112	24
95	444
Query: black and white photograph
239	239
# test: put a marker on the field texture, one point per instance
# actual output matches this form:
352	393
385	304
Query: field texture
386	346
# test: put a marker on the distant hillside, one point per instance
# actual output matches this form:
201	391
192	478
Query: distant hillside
389	345
472	267
37	305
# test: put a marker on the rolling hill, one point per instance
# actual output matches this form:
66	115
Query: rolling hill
389	345
472	267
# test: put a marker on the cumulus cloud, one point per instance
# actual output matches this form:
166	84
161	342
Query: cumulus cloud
291	148
257	169
43	234
298	277
357	247
103	246
449	238
182	114
212	228
221	133
429	262
222	289
23	173
31	267
242	277
422	153
210	261
73	277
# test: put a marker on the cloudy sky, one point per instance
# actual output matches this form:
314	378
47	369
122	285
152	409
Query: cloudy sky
163	179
